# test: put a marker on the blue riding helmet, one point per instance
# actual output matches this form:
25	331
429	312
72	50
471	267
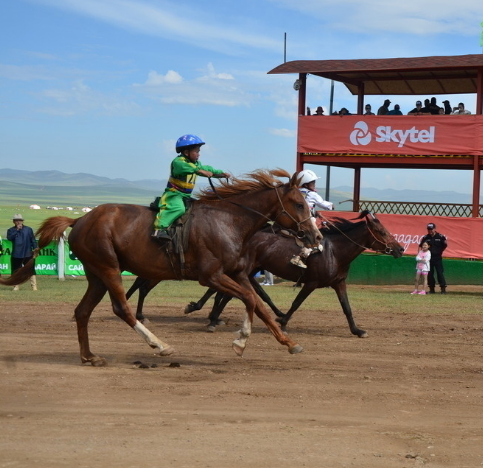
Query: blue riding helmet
188	141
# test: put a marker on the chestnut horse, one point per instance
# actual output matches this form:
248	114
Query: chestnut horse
115	237
343	242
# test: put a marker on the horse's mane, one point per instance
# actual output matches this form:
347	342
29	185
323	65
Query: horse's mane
338	225
262	178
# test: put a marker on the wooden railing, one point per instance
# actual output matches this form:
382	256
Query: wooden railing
417	208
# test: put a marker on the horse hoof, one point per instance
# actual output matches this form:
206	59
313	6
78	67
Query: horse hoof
167	351
362	334
295	349
191	307
238	349
211	328
145	321
98	362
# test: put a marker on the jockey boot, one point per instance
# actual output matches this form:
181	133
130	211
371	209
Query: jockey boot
297	261
443	289
161	235
431	290
33	282
16	288
318	249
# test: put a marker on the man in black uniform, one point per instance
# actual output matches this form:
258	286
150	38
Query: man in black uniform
437	245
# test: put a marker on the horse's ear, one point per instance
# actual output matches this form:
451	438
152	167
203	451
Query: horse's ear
366	213
295	180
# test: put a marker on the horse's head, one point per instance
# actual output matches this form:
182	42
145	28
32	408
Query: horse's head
383	240
261	192
293	212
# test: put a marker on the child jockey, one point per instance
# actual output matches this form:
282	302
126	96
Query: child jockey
313	199
184	170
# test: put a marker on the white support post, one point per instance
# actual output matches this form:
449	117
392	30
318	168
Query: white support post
61	258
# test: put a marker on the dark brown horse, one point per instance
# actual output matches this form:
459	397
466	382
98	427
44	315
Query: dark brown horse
343	242
113	238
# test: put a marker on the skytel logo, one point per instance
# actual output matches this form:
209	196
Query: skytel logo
384	133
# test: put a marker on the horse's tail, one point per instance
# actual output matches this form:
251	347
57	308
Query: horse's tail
51	229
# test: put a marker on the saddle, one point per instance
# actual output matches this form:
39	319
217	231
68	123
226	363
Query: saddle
286	233
179	230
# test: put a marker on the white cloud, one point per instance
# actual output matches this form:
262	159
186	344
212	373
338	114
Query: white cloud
25	72
220	76
81	99
211	88
155	79
411	16
175	21
283	132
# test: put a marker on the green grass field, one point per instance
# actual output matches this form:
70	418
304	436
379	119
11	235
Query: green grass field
365	300
17	198
33	218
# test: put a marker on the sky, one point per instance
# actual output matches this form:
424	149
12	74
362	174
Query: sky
107	86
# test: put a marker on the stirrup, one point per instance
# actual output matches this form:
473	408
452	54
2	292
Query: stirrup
297	261
161	235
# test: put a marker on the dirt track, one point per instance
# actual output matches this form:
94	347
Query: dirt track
409	395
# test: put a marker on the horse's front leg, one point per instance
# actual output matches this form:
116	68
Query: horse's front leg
121	308
144	286
273	326
265	297
341	290
304	293
243	290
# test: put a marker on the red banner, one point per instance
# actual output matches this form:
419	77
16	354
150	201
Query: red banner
415	135
464	235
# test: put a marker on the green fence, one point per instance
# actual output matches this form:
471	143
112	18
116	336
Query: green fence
49	262
365	269
383	269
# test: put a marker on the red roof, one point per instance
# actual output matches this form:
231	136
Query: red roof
410	75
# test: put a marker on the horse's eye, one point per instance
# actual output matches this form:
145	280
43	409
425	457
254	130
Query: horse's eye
300	206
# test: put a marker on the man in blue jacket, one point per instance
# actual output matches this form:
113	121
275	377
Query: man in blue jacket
23	243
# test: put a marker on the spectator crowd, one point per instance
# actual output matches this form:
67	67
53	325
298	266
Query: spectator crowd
430	108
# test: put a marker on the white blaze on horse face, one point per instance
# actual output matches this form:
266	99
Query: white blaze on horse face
152	340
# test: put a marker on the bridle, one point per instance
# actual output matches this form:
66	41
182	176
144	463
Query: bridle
387	249
300	233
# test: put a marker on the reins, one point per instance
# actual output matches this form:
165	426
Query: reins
300	234
387	250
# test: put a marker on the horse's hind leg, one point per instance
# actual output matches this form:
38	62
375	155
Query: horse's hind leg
221	301
96	290
192	306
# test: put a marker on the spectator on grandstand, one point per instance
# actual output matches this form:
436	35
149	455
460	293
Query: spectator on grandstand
395	111
344	111
418	110
369	110
384	109
426	109
433	107
447	107
460	110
